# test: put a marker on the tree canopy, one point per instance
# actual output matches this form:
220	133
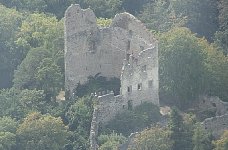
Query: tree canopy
42	132
193	47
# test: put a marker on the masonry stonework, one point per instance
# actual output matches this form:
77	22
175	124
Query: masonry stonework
216	125
125	49
139	78
90	49
213	103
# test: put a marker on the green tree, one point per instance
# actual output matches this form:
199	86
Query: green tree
43	67
159	16
79	139
180	135
97	83
35	5
24	76
201	139
39	71
221	37
80	113
7	140
131	121
216	64
104	22
104	9
181	69
133	6
55	7
40	30
79	117
8	128
7	124
162	15
49	77
9	103
155	138
149	112
33	100
202	15
11	55
223	16
222	143
111	141
41	132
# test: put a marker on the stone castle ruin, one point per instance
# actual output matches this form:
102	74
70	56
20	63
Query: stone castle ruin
217	124
125	50
90	49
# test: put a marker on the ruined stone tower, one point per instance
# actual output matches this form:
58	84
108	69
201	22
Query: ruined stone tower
125	49
90	49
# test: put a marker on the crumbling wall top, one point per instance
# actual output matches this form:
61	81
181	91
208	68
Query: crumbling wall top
131	23
78	20
216	125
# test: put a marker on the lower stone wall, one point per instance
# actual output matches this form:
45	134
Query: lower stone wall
213	103
216	125
94	131
109	106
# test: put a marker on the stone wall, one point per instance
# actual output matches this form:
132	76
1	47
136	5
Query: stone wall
90	49
213	103
109	106
94	131
125	49
139	83
216	125
139	78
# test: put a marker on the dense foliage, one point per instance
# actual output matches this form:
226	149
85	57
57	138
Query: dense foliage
190	66
98	84
41	132
201	139
111	141
131	121
222	143
193	48
155	138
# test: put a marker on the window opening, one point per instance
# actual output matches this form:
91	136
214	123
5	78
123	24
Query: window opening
213	104
129	89
128	57
142	48
128	45
140	86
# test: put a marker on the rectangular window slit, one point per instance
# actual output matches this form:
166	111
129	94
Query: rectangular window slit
140	86
129	89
